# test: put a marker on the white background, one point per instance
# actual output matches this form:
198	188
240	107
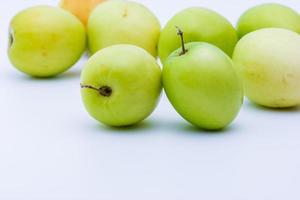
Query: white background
51	149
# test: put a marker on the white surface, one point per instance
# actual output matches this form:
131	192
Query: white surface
51	149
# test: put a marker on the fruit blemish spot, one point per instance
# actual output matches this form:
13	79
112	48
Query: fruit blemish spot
125	13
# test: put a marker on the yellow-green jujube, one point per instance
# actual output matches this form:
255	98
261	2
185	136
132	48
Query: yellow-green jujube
270	15
45	41
121	85
123	22
268	62
202	85
198	25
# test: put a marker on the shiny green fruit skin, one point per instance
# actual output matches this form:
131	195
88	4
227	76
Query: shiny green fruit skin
123	22
268	15
45	41
198	24
268	61
203	86
135	79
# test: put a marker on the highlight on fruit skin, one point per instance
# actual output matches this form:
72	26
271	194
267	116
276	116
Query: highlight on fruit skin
45	41
268	15
80	8
121	85
268	62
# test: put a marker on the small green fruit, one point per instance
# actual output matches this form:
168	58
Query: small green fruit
123	22
268	15
121	85
198	24
45	41
269	63
202	85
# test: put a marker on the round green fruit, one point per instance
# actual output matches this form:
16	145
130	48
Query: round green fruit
123	22
45	41
198	24
121	85
202	85
269	63
268	15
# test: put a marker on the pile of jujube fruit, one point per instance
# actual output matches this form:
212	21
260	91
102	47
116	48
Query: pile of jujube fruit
207	64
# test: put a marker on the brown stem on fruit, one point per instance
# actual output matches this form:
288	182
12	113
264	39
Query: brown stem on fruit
105	91
180	33
11	39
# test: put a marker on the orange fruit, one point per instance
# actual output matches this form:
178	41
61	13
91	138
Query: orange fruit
80	8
